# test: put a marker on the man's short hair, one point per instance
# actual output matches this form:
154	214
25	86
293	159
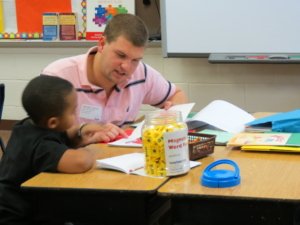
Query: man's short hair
44	97
130	26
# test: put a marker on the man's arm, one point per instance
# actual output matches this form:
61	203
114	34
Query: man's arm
179	97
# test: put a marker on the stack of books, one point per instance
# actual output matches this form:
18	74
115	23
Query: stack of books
59	26
278	132
266	141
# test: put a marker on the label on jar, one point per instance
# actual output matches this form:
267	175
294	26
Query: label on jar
176	152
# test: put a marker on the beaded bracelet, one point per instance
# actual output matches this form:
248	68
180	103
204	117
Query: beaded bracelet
79	132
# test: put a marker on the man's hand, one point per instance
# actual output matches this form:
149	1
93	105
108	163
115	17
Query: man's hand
179	97
167	105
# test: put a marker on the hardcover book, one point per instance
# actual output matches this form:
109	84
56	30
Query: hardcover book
242	139
50	26
67	26
99	12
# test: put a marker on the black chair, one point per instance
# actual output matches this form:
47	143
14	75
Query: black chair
2	96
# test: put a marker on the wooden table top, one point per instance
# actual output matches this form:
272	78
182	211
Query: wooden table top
97	179
263	176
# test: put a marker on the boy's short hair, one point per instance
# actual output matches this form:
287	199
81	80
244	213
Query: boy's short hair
130	26
44	97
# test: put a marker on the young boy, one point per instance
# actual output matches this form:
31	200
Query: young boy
41	143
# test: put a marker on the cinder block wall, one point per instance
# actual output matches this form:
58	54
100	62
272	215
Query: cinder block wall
253	87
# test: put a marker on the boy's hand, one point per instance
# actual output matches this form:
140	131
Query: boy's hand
96	133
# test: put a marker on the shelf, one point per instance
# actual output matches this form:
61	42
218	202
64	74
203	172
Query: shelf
56	44
45	44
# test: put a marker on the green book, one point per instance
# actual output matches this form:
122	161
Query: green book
222	137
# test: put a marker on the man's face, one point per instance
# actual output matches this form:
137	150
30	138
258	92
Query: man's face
119	60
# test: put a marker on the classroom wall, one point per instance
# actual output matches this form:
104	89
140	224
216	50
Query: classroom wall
253	87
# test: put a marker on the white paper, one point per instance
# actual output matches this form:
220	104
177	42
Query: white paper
225	116
127	142
134	140
126	163
137	132
185	109
142	172
132	163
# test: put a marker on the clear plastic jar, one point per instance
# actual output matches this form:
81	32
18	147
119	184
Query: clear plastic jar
165	143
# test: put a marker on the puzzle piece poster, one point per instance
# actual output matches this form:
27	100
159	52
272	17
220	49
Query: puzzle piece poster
99	12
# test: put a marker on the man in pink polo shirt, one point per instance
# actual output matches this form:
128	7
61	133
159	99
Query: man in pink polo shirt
111	80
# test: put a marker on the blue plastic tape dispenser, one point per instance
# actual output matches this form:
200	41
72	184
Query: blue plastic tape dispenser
221	178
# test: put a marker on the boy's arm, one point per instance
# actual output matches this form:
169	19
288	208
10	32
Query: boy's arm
76	161
93	133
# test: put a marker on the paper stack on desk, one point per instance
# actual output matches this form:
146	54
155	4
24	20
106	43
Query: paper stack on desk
219	114
224	116
134	140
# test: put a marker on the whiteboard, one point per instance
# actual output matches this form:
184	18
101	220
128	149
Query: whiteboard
200	27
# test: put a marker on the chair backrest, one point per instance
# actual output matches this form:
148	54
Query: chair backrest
2	96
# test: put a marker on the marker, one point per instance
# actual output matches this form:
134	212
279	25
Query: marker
278	57
236	57
257	57
294	56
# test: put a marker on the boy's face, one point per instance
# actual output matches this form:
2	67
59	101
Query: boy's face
68	117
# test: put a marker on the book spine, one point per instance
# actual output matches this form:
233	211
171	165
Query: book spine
50	26
67	26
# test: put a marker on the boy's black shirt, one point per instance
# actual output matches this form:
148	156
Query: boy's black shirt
30	150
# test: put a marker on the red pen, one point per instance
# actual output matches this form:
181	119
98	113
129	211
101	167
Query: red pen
257	57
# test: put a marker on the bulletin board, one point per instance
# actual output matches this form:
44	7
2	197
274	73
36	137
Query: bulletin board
22	19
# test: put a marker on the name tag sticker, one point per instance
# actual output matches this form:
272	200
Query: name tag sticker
90	112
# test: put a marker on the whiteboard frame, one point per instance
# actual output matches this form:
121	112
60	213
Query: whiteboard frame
178	40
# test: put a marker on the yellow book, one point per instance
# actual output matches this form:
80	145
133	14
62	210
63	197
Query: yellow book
267	148
1	17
